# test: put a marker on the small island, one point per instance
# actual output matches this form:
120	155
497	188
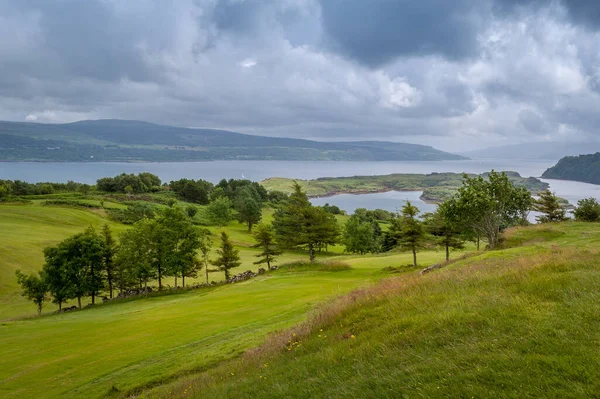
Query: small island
436	187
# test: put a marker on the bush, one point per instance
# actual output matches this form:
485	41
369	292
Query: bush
132	214
588	210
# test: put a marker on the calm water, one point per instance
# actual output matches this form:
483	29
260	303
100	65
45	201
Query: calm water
259	170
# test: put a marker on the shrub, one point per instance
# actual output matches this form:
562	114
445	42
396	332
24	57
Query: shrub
588	210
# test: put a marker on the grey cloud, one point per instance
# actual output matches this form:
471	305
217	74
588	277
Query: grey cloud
459	72
377	32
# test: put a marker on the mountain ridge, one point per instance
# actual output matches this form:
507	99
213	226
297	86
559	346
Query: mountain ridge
130	140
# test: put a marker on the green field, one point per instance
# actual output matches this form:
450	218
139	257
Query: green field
515	323
487	318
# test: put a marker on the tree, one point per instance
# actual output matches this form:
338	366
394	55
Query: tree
588	210
362	233
85	189
191	190
248	209
54	274
73	268
228	256
108	254
180	241
412	234
205	247
34	288
549	206
265	240
444	230
485	206
298	224
219	211
135	261
191	211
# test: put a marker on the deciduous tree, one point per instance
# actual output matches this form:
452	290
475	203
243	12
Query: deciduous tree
34	287
588	210
487	205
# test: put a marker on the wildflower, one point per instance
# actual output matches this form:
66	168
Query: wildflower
352	336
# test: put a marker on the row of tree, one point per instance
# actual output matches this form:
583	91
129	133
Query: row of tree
169	245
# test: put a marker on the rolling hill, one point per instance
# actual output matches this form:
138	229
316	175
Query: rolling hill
131	141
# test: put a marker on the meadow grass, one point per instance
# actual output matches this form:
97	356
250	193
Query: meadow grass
125	346
407	330
486	326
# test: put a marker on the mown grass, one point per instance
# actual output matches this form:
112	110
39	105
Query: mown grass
145	346
125	346
517	327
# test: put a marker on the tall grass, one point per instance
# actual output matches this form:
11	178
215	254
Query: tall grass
522	327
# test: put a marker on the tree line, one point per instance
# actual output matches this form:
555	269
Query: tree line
169	245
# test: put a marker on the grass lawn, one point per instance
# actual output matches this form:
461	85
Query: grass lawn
521	322
145	342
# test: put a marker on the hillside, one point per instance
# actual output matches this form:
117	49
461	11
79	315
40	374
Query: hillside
540	150
123	140
436	187
521	322
584	168
125	346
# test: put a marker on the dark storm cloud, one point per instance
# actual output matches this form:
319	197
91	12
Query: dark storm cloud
464	72
375	32
585	12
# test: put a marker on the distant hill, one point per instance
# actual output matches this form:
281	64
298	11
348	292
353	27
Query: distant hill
584	168
130	141
546	150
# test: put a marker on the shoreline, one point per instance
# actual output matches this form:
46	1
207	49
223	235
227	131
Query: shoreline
380	191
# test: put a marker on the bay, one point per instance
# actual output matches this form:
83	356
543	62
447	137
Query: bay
214	171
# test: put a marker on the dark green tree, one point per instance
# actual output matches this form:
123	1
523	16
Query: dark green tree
298	224
191	211
412	233
362	233
220	211
180	241
135	262
34	287
228	256
108	254
248	209
551	209
444	230
54	274
588	210
75	264
265	240
205	248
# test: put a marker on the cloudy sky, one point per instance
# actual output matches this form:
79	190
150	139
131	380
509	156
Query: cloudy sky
454	74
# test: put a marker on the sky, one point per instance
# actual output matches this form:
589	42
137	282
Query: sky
457	75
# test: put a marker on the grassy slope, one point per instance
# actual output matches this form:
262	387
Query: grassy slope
24	231
90	351
520	322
